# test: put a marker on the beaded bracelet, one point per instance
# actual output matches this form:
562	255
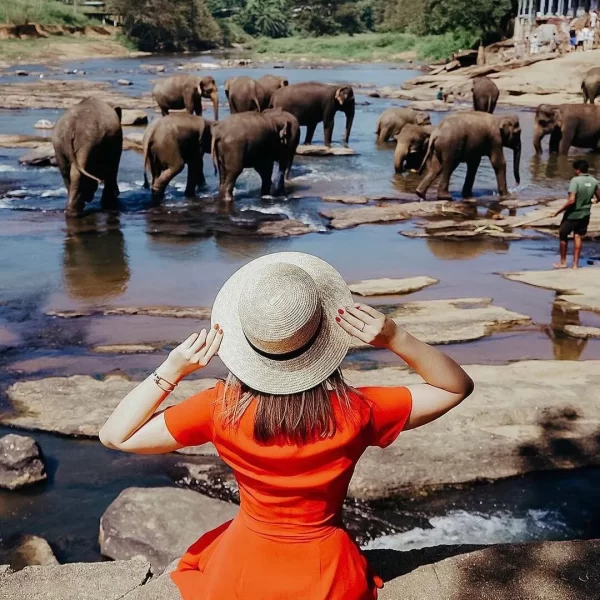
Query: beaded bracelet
160	381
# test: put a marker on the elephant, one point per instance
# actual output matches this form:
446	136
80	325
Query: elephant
392	120
411	146
245	94
590	86
485	94
294	133
186	92
313	102
254	141
568	125
88	141
467	137
172	142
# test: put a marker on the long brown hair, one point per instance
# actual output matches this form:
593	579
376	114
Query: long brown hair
297	418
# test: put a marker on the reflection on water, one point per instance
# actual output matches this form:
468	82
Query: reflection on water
564	347
464	249
95	263
546	167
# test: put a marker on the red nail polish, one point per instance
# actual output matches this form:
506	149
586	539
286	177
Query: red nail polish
340	311
216	326
338	319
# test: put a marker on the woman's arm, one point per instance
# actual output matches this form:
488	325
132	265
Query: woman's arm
133	425
447	384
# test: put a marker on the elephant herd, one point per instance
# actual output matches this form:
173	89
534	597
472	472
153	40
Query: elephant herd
264	129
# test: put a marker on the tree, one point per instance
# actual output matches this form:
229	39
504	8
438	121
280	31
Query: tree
266	18
348	18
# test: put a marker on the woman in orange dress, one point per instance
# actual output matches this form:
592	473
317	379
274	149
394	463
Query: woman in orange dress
288	425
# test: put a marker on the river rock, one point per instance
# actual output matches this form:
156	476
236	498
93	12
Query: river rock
126	348
20	462
347	199
43	156
28	551
522	417
44	124
312	150
582	331
134	117
159	524
284	228
21	73
124	82
579	288
386	286
176	312
76	581
345	218
78	405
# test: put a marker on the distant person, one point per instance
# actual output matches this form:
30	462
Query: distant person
590	39
535	44
593	19
585	37
579	38
572	40
440	94
583	192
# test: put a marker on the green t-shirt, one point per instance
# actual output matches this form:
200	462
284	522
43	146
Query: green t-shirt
584	187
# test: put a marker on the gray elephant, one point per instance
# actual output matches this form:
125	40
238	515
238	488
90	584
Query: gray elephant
392	120
271	83
590	86
172	142
246	94
568	125
485	95
467	137
411	147
254	141
88	141
312	103
180	92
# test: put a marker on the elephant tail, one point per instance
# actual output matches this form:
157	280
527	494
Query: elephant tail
145	163
429	153
76	163
214	153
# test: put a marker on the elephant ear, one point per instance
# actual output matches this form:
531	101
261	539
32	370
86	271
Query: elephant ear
557	117
119	112
284	132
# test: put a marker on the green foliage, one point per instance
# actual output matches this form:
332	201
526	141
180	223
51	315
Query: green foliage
475	16
43	12
403	15
265	18
348	18
232	32
436	47
169	25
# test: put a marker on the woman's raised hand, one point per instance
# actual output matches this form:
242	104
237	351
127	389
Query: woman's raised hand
367	324
193	354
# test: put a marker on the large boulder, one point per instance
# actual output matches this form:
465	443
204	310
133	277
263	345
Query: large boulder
20	462
159	524
28	551
43	156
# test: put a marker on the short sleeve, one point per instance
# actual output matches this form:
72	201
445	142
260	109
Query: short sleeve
390	409
573	186
191	422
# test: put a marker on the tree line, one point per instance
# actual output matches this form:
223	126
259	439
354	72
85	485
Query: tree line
200	24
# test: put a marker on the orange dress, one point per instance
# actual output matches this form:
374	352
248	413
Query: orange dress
288	541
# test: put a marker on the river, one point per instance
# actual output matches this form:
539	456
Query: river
166	256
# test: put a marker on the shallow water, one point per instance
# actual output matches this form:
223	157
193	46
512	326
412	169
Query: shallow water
180	253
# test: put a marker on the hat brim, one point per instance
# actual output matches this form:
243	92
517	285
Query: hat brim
302	372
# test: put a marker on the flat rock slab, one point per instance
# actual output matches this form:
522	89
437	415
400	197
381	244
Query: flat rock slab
134	117
42	156
535	571
78	405
345	218
451	321
177	312
387	286
28	551
159	524
131	141
20	462
310	150
346	199
522	417
75	581
127	348
579	288
582	331
286	228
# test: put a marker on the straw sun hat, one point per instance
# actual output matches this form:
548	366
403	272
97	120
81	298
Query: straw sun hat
278	314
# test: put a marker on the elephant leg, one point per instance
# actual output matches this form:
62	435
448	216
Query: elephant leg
448	167
472	167
162	181
310	132
81	191
499	165
566	140
228	183
199	170
110	194
328	132
434	168
266	175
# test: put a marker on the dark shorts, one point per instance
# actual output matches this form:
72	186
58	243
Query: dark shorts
576	226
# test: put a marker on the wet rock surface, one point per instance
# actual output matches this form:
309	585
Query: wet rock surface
29	550
20	462
311	150
42	156
158	524
579	288
581	331
44	124
177	312
388	286
522	417
126	348
134	117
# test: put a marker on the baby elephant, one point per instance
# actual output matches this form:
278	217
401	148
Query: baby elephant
411	147
172	142
254	141
88	141
392	120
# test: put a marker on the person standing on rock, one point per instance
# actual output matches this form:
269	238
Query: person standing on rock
583	191
288	424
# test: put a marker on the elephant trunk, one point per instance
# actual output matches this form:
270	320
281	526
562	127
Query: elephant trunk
349	120
400	157
215	100
517	161
538	135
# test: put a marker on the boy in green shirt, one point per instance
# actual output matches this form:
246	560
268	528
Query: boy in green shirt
583	191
